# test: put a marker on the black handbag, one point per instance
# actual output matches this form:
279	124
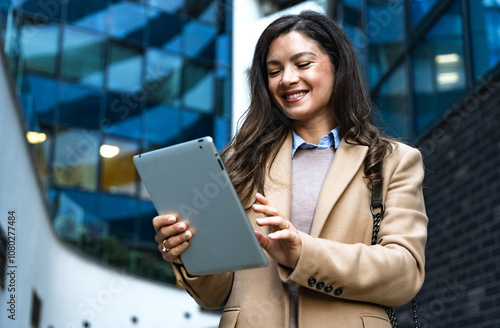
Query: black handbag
377	219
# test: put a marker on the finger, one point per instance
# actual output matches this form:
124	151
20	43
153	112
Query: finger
280	234
261	199
173	255
175	241
265	209
275	221
170	230
163	220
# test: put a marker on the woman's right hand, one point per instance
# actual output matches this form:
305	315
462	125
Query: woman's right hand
172	237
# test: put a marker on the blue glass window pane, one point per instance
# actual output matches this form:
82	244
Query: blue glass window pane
79	106
38	100
88	14
222	133
353	3
223	50
123	115
163	76
202	9
439	73
386	32
127	20
223	90
39	46
420	8
200	40
76	158
170	6
125	68
166	31
118	170
162	125
44	10
83	57
198	87
485	38
196	125
392	102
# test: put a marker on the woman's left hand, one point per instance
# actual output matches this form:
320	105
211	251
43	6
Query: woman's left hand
283	243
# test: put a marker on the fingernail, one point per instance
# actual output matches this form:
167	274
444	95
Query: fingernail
187	234
272	235
171	219
258	194
259	220
184	244
182	226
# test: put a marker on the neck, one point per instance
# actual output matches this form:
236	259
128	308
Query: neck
313	133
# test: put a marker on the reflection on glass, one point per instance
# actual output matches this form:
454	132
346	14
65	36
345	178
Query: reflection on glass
439	74
75	159
79	106
419	8
123	115
195	125
222	132
162	125
203	9
198	87
41	144
171	26
82	57
170	6
163	76
127	19
485	35
223	89
386	32
38	44
392	101
354	3
124	68
200	40
38	97
118	171
88	14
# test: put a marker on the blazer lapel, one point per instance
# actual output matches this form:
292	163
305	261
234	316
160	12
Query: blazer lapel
278	187
347	161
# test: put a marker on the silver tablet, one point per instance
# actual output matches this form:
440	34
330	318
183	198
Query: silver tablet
189	180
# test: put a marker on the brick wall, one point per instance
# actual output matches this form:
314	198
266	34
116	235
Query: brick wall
462	193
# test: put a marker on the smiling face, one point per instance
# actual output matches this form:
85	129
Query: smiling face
300	80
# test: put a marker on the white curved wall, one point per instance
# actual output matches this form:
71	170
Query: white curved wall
72	287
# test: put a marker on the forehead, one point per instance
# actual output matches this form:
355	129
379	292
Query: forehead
294	42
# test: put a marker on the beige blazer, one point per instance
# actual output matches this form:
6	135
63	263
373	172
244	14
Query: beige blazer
343	280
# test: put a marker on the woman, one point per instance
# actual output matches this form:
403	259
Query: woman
303	163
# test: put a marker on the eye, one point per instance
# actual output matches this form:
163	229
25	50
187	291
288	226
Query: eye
303	65
273	72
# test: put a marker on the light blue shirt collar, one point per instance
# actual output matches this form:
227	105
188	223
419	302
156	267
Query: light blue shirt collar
332	139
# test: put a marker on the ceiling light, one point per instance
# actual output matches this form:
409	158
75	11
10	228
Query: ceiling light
108	151
448	78
447	59
35	137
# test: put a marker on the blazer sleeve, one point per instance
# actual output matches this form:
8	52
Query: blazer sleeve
210	291
390	273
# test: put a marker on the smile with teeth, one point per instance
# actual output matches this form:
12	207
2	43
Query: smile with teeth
295	95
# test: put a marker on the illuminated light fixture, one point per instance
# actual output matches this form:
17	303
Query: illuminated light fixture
108	151
447	59
448	78
35	137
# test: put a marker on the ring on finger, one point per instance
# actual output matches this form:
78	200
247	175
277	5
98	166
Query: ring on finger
164	249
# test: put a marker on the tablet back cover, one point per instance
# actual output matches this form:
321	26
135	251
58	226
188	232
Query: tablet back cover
190	180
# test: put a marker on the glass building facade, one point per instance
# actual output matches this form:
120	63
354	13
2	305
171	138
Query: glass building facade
101	81
421	57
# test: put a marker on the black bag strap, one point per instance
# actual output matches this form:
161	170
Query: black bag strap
377	202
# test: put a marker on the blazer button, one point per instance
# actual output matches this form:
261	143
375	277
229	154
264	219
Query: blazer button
311	282
338	291
328	288
320	285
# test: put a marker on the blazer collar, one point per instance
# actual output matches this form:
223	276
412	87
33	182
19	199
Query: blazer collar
347	161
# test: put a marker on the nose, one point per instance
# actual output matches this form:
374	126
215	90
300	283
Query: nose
289	76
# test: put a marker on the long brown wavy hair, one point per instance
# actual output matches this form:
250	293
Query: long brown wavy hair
265	127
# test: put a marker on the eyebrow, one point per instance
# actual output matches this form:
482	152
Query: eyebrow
294	57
